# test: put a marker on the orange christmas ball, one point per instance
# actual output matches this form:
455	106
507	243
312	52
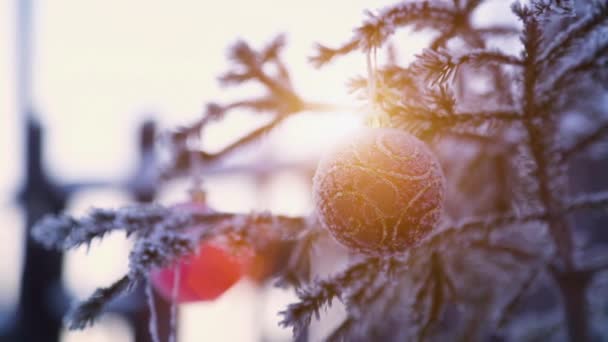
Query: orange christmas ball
381	193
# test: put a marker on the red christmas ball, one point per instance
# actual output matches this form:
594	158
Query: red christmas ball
381	193
218	264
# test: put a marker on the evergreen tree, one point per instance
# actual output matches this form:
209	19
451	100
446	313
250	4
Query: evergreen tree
520	251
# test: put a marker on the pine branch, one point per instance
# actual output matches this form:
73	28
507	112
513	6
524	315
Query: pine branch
64	232
281	100
161	239
544	7
184	158
438	66
498	30
539	139
313	299
586	63
378	296
597	200
564	40
160	249
582	144
378	28
85	313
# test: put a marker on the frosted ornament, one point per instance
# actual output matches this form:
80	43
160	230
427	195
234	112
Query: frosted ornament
381	193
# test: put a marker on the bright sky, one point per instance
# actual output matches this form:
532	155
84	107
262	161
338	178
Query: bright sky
101	66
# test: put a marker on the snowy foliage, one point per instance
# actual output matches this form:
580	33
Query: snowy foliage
521	238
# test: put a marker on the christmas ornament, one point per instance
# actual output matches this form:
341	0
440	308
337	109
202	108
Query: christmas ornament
219	264
381	193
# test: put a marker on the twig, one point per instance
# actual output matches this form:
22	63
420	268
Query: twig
298	315
598	200
577	30
449	119
583	143
85	313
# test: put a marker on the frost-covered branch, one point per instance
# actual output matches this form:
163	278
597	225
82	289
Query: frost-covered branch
160	249
372	298
161	238
597	200
539	142
85	313
65	232
498	30
314	298
592	58
588	140
559	44
541	9
353	280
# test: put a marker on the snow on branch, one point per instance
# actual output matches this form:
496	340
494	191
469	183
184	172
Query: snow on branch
597	200
593	57
544	7
353	284
85	313
375	297
160	249
161	238
317	296
65	232
559	44
599	133
541	9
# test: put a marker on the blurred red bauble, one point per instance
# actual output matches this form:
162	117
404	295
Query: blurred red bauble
381	193
219	263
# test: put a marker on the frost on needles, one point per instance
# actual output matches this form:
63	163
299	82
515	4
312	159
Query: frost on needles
521	238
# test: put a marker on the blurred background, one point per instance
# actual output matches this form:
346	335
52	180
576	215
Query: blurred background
91	73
